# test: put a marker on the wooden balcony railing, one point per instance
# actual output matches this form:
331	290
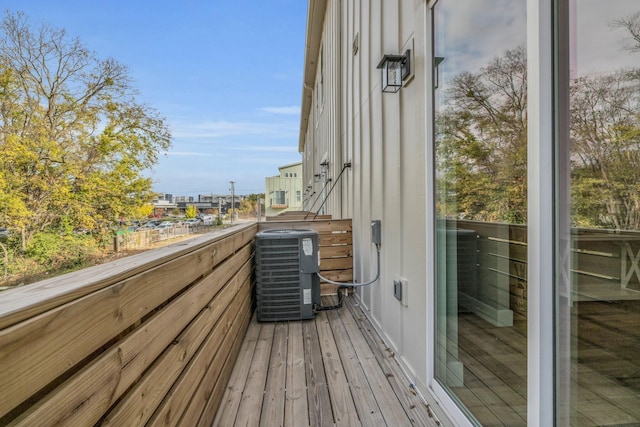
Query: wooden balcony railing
605	266
150	338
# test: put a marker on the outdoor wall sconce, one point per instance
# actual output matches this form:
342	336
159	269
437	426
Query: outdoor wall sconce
395	68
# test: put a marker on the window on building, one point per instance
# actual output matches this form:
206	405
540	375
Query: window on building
279	198
481	207
298	196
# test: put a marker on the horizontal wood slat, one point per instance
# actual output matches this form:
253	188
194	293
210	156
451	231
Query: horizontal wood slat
111	347
321	226
27	301
297	216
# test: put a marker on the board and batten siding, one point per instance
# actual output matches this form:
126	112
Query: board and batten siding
383	135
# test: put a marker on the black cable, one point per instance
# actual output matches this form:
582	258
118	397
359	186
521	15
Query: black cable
345	166
318	197
332	307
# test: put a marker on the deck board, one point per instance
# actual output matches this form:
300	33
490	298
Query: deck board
252	395
365	403
296	407
231	401
320	413
325	372
274	396
604	382
344	410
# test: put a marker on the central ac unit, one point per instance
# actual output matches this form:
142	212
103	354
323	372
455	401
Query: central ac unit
287	284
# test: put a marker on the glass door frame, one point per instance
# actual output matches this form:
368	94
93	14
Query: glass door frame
541	353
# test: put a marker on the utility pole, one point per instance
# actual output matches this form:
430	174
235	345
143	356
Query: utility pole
220	209
259	208
233	195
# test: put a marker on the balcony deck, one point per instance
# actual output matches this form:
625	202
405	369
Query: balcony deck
332	370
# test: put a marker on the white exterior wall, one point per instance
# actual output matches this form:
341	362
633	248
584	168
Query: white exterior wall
388	139
383	136
289	184
324	124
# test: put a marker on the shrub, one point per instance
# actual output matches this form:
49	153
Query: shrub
56	252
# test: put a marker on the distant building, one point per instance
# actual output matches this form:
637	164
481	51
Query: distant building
162	207
178	199
283	192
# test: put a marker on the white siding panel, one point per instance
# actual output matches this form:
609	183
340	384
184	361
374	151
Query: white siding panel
383	135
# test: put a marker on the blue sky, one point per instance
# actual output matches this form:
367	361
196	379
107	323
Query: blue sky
226	74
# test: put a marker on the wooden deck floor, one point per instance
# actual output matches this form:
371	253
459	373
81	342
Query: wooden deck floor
332	370
605	371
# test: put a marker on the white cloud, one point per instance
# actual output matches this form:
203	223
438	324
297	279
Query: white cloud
189	153
475	32
222	128
294	109
275	149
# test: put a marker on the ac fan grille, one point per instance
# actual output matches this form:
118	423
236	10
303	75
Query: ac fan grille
278	278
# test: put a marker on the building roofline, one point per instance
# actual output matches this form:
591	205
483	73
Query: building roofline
289	165
315	21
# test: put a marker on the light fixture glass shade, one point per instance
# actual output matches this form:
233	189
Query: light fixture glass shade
391	77
394	69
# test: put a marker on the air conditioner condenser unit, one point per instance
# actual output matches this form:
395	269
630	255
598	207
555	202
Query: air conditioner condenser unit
287	283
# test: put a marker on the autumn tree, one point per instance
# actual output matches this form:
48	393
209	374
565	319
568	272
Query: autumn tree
481	142
605	142
191	211
74	140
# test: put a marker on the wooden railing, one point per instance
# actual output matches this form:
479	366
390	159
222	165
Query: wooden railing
150	338
604	265
297	216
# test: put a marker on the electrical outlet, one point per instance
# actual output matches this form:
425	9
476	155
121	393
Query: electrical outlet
397	289
401	290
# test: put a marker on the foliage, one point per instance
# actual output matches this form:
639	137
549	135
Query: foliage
605	142
191	211
246	207
142	211
62	252
481	142
73	139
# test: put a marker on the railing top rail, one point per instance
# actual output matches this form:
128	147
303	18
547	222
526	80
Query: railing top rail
27	301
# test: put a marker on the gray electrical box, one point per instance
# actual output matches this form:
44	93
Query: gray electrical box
287	283
376	232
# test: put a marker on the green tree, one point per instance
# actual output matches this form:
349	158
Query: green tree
73	139
191	211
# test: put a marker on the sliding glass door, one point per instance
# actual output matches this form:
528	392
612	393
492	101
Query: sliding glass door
598	199
480	159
